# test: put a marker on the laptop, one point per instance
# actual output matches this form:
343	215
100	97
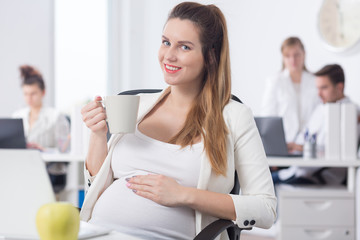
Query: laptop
12	133
25	186
272	134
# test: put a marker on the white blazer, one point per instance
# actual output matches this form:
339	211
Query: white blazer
280	100
245	155
50	130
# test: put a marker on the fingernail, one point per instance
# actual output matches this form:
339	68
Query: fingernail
134	190
127	179
128	184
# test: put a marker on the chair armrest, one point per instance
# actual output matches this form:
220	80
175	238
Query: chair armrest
214	229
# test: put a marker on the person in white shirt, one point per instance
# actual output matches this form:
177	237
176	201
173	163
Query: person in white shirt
44	127
330	82
172	177
291	93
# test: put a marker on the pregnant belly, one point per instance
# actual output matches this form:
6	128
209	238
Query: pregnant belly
119	208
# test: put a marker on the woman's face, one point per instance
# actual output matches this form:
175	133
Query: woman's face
293	57
180	54
33	95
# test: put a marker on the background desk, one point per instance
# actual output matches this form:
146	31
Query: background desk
62	157
351	165
353	177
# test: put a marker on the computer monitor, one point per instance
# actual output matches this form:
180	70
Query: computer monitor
272	134
12	133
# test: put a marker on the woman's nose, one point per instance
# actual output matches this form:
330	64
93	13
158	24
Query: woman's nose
292	60
170	54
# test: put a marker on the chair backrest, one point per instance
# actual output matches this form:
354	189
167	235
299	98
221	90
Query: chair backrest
138	91
236	188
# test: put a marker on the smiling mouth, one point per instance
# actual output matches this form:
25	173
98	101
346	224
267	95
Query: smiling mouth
171	69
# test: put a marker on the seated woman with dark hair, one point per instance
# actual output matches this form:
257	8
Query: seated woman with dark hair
44	126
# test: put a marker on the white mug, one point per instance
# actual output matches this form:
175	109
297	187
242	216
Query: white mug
121	112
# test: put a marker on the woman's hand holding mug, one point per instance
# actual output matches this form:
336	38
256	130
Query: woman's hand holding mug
120	111
94	116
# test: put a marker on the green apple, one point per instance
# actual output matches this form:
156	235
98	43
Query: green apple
58	221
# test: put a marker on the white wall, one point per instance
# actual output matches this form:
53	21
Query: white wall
135	29
26	37
256	31
80	51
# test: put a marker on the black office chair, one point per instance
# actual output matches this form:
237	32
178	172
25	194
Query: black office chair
217	227
58	171
57	174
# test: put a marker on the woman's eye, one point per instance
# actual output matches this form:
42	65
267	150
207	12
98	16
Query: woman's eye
166	43
184	47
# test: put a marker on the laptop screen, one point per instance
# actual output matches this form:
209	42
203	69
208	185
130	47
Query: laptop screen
272	134
12	133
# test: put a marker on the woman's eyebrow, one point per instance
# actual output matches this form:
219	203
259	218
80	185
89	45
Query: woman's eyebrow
186	43
180	42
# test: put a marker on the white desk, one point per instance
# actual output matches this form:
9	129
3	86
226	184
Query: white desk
351	165
87	229
62	157
115	236
353	176
299	161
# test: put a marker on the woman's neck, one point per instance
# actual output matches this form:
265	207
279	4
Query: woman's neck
35	109
34	112
180	98
296	76
34	115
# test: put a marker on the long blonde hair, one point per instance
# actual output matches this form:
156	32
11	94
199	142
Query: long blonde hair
205	117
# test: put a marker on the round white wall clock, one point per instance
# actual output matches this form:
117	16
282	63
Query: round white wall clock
339	24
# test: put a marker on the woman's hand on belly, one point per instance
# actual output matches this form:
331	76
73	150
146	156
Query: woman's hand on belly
158	188
167	192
